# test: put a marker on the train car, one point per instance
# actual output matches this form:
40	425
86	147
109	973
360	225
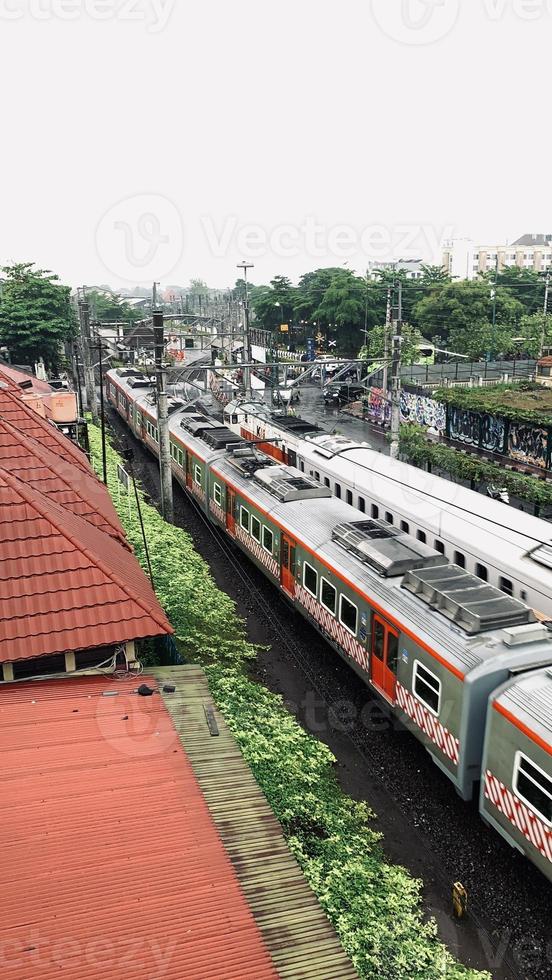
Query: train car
509	549
516	789
436	644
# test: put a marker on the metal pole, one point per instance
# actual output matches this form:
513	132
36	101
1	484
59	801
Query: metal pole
545	317
386	342
165	471
396	379
246	338
102	413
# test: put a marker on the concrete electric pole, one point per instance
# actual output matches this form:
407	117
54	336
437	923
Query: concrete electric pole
165	471
85	340
396	377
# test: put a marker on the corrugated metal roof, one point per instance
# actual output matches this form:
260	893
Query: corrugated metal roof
111	864
58	478
65	584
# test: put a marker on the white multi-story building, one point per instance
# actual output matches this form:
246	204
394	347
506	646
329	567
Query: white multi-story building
463	259
412	267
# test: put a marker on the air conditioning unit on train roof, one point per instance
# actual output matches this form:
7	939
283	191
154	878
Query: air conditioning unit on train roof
387	550
288	483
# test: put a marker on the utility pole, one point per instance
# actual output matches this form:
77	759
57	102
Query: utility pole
246	338
165	471
154	297
85	339
396	377
493	297
386	334
545	317
100	348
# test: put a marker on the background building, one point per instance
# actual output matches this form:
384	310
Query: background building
464	259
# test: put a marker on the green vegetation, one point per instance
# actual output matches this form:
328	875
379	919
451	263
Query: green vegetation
417	449
523	402
476	318
109	307
375	906
35	315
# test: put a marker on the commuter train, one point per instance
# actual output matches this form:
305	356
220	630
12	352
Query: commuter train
466	668
499	544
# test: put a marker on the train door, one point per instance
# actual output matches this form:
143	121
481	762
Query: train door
385	651
287	565
231	510
291	456
189	471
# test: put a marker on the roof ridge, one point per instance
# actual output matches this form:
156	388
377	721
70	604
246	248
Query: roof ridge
44	505
42	453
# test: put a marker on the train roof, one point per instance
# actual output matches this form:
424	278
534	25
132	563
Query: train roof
313	523
527	702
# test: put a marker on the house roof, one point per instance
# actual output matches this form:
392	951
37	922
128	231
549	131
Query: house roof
80	491
27	421
111	863
19	377
533	240
65	584
545	361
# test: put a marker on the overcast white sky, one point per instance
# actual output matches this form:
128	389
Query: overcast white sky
171	139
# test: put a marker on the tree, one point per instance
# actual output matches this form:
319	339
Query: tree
273	304
536	331
110	308
525	285
462	313
410	346
36	316
342	309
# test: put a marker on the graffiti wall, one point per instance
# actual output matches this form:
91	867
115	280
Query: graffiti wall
493	431
528	444
464	426
423	410
378	408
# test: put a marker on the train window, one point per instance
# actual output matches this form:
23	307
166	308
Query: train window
217	494
310	579
338	490
244	518
421	535
374	510
326	482
533	786
348	614
267	540
439	546
328	596
255	528
180	457
405	526
317	475
301	466
427	687
197	475
349	496
459	559
362	505
481	571
388	516
234	420
523	595
506	585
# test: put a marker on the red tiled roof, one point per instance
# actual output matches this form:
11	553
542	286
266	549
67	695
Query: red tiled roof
9	373
27	421
111	864
61	479
65	584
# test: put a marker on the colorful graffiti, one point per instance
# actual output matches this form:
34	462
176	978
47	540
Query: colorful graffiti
528	444
378	408
423	410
